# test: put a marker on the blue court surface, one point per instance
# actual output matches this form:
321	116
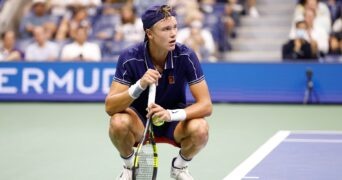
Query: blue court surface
301	155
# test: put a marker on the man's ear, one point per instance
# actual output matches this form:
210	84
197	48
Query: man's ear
149	33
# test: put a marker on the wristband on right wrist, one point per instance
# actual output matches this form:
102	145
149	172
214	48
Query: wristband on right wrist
135	90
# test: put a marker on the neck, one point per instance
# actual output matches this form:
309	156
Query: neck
41	44
80	43
8	47
310	26
158	56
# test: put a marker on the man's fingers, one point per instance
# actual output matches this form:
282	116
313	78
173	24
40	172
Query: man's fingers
151	76
154	109
163	115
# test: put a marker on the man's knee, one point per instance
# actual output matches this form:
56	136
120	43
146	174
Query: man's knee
119	123
199	129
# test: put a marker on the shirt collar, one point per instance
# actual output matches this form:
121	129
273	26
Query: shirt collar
148	62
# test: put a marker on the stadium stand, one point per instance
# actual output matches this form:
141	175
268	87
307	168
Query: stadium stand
260	38
242	30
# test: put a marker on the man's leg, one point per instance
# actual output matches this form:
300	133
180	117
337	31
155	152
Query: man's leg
192	136
125	130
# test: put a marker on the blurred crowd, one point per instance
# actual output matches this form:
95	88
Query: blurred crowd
98	30
95	30
316	32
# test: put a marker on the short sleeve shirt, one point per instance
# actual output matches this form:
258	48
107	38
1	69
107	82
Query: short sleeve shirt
182	68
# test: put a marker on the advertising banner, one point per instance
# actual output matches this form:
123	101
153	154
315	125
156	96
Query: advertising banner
228	82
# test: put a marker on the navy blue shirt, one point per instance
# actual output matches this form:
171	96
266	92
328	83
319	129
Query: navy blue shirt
181	68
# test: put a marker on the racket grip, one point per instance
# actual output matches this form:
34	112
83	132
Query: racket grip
151	94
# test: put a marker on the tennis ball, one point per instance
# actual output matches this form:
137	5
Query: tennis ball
157	121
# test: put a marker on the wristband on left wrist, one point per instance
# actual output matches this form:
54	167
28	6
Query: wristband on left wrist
177	114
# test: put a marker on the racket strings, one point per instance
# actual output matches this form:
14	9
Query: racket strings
145	163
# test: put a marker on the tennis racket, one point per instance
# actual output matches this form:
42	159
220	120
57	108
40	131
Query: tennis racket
146	158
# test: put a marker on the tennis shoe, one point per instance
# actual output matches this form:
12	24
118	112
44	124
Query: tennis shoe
126	174
180	173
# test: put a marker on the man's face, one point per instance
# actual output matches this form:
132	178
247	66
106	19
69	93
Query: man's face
301	26
311	4
163	33
39	35
9	39
81	35
309	16
39	9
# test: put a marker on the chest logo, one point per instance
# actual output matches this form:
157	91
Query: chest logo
171	79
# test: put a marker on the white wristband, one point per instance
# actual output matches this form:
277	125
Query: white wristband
135	90
177	114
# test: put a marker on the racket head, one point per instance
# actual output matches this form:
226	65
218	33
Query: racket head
145	164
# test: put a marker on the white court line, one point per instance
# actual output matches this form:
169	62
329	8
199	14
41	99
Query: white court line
240	172
317	132
314	140
250	177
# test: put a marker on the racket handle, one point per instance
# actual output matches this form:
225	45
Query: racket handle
151	94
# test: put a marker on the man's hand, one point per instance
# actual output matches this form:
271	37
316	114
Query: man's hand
158	111
151	76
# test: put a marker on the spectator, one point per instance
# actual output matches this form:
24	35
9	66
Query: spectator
335	9
196	41
9	52
79	19
316	33
90	5
81	49
335	48
118	1
335	42
60	8
234	9
197	37
335	45
131	28
112	6
62	33
337	26
299	47
38	17
251	8
218	23
68	27
183	8
245	7
321	10
231	18
42	49
105	25
142	5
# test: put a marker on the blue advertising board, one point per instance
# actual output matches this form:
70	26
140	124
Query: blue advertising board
274	82
55	81
228	82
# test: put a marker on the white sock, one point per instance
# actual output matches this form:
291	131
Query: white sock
128	161
180	161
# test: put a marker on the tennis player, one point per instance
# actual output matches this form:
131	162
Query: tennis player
172	66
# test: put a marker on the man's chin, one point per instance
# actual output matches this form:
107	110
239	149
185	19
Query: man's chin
171	48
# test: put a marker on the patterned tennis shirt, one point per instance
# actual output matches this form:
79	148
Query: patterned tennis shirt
182	68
